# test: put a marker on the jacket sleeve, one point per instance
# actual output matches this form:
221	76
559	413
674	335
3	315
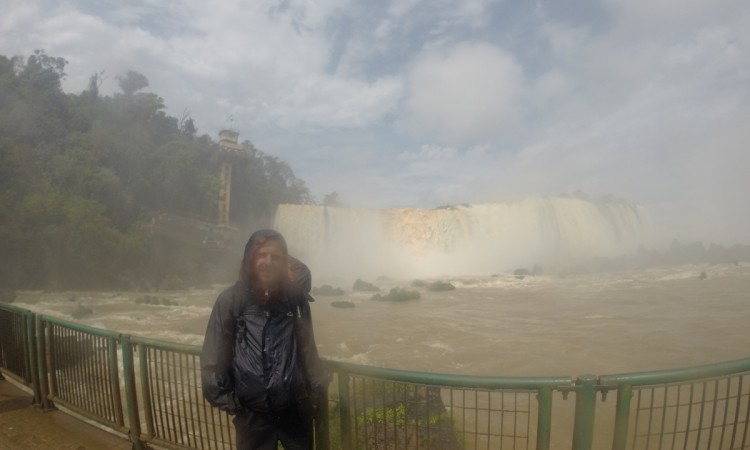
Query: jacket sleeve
216	355
317	372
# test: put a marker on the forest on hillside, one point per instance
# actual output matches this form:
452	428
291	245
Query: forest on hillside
83	177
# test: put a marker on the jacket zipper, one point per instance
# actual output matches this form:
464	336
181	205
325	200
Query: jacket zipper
263	349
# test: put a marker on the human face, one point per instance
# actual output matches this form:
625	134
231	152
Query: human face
269	264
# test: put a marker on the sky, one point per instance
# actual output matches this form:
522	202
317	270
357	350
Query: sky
417	103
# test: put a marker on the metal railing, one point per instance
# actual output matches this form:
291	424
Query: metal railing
385	408
81	368
149	391
175	413
703	407
16	332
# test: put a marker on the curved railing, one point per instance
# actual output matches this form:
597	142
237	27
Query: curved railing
149	391
704	406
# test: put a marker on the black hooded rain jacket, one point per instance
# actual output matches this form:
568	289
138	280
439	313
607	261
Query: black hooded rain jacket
260	356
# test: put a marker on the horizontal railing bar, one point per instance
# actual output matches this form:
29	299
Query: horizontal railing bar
167	444
17	378
164	345
14	309
735	367
80	327
63	404
450	380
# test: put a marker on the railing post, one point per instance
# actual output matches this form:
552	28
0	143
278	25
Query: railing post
344	411
41	353
583	430
32	360
114	380
544	418
128	371
322	435
145	390
622	416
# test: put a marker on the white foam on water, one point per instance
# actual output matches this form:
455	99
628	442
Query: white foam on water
360	358
600	317
439	345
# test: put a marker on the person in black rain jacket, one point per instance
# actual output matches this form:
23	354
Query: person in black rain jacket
259	361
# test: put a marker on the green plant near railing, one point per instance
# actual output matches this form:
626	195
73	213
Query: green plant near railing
395	415
396	403
396	423
372	389
398	416
334	427
388	413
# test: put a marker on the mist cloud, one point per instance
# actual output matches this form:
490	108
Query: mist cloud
466	93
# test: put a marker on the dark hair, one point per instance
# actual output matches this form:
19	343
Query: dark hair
257	239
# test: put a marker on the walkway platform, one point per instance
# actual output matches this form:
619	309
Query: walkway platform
23	426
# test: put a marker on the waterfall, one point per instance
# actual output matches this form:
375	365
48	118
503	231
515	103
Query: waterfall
479	239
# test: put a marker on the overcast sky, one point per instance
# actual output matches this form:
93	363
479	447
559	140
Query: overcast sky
412	103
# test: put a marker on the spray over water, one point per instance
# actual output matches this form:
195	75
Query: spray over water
347	243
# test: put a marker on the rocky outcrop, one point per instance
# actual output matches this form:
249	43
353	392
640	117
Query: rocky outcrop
363	286
327	290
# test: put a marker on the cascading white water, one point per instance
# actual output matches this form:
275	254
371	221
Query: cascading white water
347	243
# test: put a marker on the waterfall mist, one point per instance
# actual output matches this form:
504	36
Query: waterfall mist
345	243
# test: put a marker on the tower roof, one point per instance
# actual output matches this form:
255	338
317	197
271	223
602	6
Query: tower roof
229	141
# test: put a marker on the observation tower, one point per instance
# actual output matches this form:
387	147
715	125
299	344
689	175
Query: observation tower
230	150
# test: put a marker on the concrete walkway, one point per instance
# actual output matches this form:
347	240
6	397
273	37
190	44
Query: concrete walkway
23	426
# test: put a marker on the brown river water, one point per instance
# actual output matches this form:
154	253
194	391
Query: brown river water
603	323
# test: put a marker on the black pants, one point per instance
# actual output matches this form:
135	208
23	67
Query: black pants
262	431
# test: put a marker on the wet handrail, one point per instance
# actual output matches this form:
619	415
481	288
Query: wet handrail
373	402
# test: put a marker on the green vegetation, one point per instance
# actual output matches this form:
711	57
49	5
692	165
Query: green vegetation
438	286
327	290
521	273
83	178
343	304
395	415
435	286
364	286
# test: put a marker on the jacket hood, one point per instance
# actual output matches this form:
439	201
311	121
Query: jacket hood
256	240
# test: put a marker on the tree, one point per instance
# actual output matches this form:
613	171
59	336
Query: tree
186	124
95	82
43	72
132	82
83	177
332	199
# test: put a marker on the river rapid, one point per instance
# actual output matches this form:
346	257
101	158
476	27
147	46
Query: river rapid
602	323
